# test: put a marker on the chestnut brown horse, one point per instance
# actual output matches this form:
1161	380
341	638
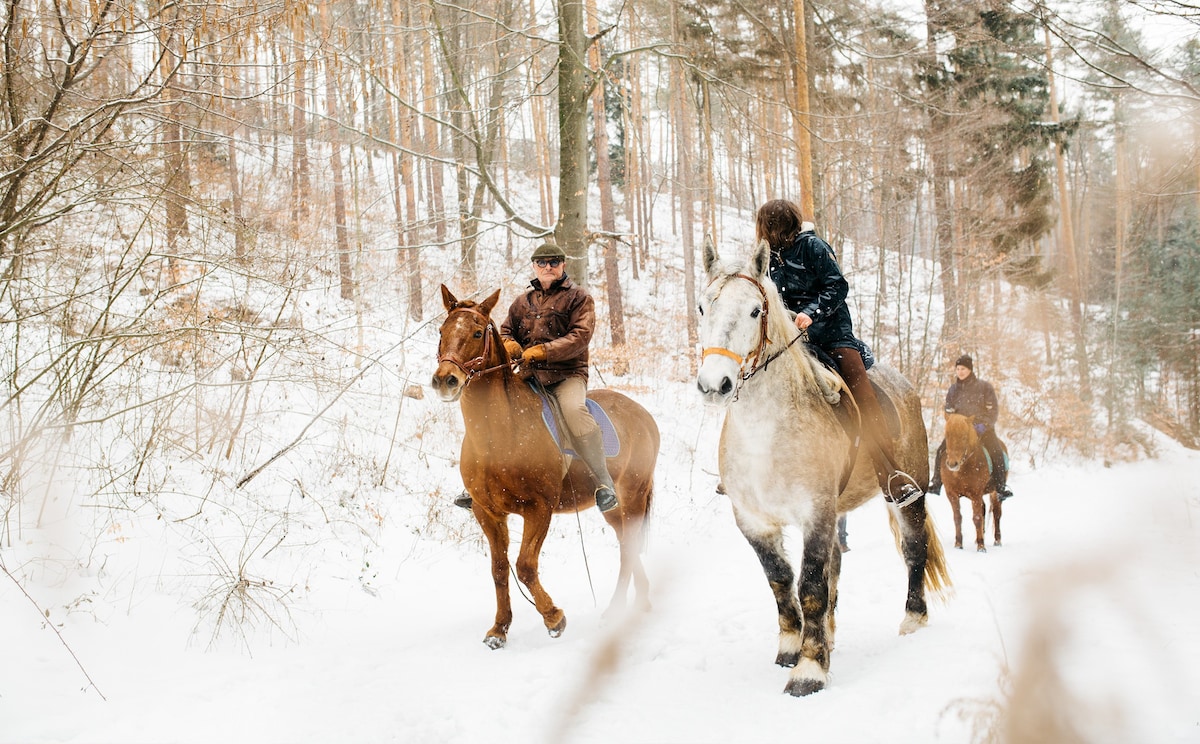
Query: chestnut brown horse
510	463
967	473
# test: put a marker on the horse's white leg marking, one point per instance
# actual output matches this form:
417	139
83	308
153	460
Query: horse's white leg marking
808	677
913	622
791	642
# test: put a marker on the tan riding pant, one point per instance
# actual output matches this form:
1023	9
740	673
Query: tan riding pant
571	394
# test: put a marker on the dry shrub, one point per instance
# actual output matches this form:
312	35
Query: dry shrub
1045	698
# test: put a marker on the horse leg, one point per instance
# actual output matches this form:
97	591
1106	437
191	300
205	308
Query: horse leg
914	546
495	528
768	546
537	524
957	511
811	674
629	524
996	508
835	575
979	517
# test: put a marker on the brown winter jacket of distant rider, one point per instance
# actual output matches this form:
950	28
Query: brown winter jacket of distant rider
562	319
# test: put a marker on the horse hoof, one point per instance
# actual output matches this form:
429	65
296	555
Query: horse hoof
996	544
557	629
802	687
809	678
980	549
787	660
912	623
494	642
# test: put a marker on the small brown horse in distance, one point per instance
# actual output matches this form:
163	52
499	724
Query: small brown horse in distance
966	474
510	463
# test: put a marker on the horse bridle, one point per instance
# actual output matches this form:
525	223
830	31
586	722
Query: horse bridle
755	357
474	367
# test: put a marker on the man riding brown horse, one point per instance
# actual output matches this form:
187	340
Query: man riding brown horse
548	329
976	398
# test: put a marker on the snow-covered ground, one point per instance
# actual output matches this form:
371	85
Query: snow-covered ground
388	648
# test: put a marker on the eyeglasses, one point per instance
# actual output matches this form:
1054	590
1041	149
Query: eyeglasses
551	262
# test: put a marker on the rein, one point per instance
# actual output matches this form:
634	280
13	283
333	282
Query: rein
755	357
475	367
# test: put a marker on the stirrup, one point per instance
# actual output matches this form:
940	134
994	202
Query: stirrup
606	499
1004	493
463	500
906	493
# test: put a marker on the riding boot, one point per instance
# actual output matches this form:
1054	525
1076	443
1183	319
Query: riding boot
935	480
898	487
1000	476
591	449
463	500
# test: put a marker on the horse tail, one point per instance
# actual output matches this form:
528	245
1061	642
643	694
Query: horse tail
936	578
937	572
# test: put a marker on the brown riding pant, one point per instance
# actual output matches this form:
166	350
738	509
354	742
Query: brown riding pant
876	437
571	394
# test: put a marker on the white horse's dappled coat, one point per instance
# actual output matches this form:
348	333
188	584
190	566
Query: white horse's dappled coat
785	454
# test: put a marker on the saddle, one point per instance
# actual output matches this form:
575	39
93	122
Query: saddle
891	414
847	414
551	418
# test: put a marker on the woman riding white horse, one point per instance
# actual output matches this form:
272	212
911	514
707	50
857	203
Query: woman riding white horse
788	455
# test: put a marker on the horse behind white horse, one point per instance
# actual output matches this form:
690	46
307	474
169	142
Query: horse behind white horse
786	457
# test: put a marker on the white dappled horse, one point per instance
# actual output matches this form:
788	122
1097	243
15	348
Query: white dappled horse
787	458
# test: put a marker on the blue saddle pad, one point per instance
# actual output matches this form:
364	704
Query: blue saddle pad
612	445
988	456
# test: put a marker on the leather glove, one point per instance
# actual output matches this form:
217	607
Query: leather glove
534	354
980	428
513	348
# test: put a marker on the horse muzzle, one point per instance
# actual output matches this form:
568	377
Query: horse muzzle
717	380
448	382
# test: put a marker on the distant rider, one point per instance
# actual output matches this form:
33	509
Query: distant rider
976	398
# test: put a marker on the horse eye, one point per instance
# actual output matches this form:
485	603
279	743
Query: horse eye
756	312
478	334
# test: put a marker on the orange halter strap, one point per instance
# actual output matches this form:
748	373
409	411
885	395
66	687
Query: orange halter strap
763	340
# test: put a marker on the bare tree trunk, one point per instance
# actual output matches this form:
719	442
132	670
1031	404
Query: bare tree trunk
939	158
1074	283
177	180
710	183
541	129
801	113
608	220
429	99
571	231
240	250
683	131
300	166
402	118
1122	219
345	269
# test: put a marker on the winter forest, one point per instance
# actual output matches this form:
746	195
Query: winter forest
223	229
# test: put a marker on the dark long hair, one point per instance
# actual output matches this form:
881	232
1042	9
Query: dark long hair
778	222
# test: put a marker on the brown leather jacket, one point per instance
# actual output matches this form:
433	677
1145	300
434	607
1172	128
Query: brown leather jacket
561	318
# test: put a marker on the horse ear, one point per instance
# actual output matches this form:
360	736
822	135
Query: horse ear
448	299
487	305
709	252
761	259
